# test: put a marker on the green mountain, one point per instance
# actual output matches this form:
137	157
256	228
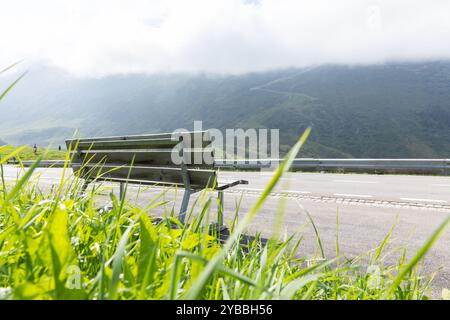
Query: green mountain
389	110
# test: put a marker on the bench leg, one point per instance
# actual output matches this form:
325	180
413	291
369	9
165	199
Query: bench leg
83	188
184	205
220	208
121	191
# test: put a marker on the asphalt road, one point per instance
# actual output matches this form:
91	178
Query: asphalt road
397	188
367	206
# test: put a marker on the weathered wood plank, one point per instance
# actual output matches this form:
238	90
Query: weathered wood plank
165	157
199	178
187	136
127	144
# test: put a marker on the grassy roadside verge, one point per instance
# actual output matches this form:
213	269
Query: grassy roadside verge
59	245
27	153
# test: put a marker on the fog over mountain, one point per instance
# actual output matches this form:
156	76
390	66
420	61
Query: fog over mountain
386	110
106	37
370	76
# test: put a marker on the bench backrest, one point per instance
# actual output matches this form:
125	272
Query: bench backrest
161	159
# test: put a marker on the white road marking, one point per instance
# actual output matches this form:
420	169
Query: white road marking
281	191
430	200
228	180
355	181
254	195
266	173
262	174
440	185
250	189
296	191
33	178
352	195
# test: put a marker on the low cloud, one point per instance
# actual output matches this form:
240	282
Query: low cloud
100	37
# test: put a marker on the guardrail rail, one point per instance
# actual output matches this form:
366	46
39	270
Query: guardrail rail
406	166
411	166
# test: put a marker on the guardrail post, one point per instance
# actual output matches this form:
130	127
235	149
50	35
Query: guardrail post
184	205
187	189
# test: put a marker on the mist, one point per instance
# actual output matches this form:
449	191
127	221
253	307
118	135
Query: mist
98	37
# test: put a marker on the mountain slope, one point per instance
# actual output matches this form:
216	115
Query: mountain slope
392	110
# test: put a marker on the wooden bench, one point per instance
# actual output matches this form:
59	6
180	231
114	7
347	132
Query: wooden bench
170	160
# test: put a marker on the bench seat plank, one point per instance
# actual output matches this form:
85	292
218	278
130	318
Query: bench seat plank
162	156
121	144
199	178
195	135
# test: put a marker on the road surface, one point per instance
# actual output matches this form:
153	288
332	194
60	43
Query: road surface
367	207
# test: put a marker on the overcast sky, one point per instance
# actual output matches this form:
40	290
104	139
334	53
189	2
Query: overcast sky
99	37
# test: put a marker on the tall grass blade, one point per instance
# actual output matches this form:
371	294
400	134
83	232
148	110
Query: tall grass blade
12	85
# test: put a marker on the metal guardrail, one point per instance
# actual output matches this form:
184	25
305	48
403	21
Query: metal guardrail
411	166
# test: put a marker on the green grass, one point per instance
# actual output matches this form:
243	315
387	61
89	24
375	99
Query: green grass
27	153
60	245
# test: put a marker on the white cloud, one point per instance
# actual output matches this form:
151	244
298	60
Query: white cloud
97	37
